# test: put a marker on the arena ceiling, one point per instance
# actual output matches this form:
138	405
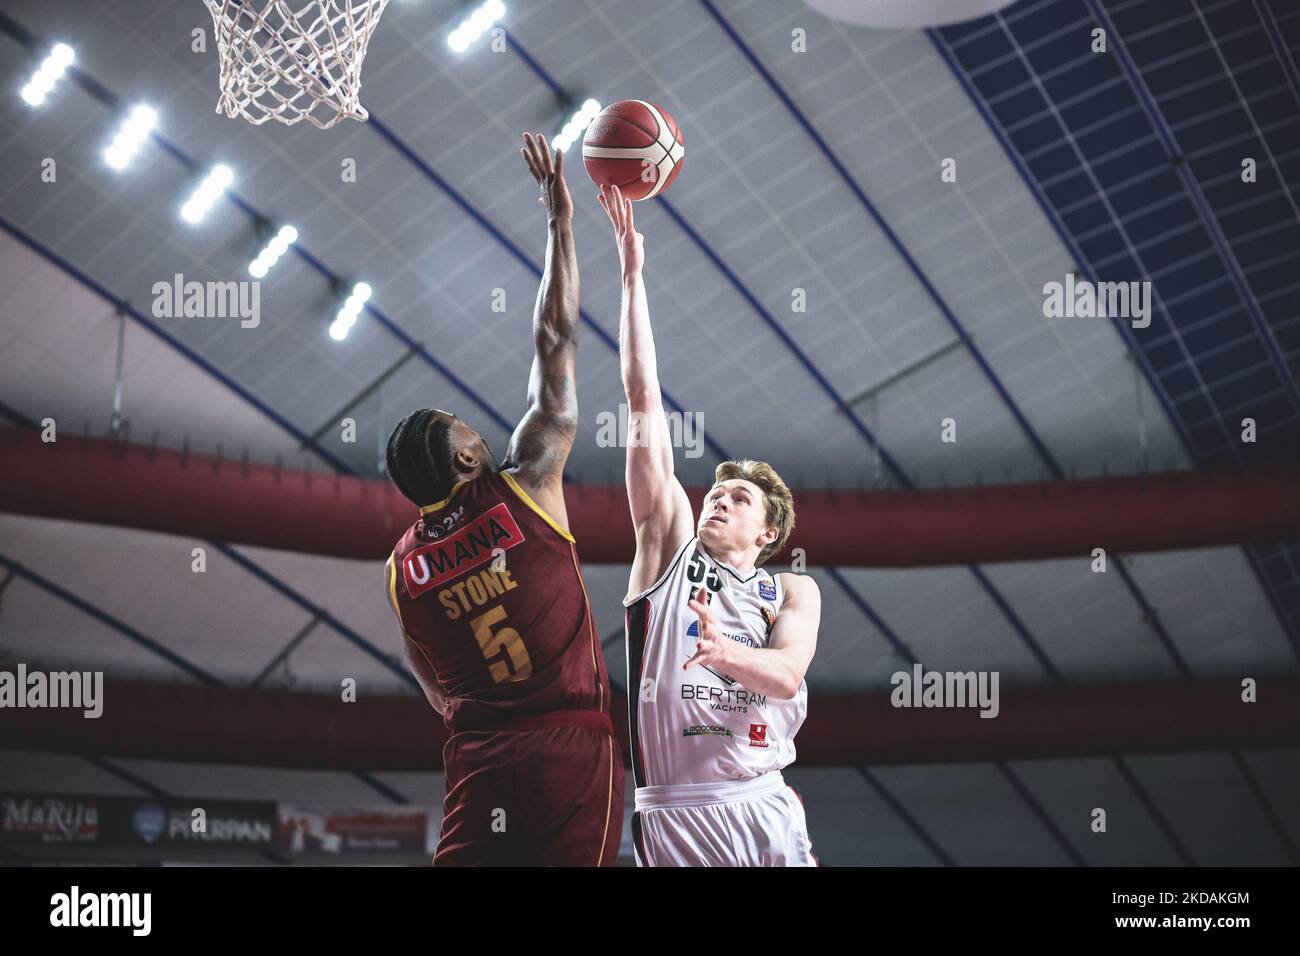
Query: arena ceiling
814	171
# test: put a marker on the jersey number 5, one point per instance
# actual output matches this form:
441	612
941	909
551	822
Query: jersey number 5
503	649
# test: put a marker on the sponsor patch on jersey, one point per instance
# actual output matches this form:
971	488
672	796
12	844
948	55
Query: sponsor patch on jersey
758	735
694	631
434	564
441	525
724	699
705	730
767	590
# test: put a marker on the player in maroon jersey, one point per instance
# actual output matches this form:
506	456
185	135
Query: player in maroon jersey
494	616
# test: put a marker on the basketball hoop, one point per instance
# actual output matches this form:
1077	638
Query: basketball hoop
289	65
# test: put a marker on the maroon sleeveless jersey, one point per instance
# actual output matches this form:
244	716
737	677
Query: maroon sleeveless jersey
489	588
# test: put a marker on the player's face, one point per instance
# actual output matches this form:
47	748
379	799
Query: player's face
734	516
473	456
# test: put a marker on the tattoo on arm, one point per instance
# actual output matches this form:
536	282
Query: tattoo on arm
540	445
541	442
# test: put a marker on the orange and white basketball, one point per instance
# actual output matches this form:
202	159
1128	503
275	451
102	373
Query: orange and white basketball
635	146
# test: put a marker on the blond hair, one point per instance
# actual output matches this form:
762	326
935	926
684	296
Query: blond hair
778	503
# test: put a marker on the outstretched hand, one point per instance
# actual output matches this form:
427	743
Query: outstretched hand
548	170
712	649
631	244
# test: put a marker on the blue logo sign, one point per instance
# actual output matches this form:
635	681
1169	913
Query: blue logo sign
149	821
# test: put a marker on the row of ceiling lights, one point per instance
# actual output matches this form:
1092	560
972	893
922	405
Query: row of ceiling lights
140	122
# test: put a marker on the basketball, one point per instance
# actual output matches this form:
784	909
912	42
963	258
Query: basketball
635	146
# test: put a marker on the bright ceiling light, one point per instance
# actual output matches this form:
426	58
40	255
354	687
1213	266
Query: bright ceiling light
347	315
577	123
206	193
129	136
47	74
272	251
475	25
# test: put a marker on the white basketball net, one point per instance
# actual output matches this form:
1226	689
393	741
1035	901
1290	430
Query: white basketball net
288	64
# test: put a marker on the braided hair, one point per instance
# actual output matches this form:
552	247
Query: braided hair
420	457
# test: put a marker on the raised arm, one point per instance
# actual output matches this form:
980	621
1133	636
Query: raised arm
661	512
541	443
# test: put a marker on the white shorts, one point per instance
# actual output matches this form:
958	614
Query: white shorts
755	822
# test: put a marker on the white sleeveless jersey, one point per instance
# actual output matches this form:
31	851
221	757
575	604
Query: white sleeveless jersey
699	725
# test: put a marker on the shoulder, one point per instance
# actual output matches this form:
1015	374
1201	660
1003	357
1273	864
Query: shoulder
545	498
798	586
521	476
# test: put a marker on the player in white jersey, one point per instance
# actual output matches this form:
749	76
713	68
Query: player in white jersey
717	647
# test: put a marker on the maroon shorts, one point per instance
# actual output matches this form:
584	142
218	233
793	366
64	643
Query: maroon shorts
544	791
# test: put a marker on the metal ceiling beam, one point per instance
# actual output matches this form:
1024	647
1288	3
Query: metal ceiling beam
283	654
180	347
1274	819
904	372
904	814
108	620
1279	47
332	421
1035	807
1166	828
